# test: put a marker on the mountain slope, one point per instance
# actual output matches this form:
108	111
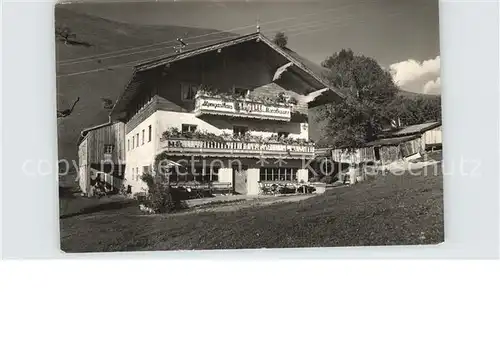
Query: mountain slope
97	36
412	95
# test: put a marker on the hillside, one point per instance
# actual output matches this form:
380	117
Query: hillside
99	36
412	95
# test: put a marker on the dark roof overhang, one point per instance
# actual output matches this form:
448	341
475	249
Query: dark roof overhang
140	72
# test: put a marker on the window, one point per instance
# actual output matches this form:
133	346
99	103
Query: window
146	169
240	91
208	174
188	128
108	148
214	174
283	135
137	173
128	144
239	130
278	174
133	173
188	91
143	137
137	140
202	175
149	133
133	141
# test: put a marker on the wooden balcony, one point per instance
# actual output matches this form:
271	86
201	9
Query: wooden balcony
182	147
244	108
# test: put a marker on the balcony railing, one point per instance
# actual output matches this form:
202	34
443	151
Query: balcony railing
246	108
234	148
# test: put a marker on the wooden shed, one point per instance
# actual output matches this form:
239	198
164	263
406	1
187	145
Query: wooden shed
101	155
392	149
429	133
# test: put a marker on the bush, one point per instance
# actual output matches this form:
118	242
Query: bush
314	179
161	198
280	39
327	179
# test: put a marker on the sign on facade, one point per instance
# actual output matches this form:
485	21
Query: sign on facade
237	108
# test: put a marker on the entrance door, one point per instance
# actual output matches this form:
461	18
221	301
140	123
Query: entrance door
240	180
377	153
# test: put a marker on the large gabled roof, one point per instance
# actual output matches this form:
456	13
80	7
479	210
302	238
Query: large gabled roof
302	64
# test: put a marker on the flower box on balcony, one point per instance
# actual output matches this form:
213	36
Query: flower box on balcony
228	148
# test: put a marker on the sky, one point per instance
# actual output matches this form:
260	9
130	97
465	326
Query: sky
402	35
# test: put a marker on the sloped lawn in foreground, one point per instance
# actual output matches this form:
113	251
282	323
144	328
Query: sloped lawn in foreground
388	210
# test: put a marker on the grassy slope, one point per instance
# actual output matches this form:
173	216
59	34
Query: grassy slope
104	36
389	210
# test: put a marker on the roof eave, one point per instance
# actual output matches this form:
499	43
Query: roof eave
300	65
417	132
113	111
84	132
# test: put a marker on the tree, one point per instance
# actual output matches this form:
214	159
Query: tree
414	110
161	197
68	111
64	34
107	104
368	89
280	39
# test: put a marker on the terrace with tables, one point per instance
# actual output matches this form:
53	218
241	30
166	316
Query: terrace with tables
198	190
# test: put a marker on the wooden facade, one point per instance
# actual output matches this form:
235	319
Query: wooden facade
409	141
432	138
102	152
98	139
360	155
249	62
250	66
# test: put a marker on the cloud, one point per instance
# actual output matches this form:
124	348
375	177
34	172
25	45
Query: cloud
419	77
433	86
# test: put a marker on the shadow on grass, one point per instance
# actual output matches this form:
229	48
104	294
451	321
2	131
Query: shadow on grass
101	207
79	43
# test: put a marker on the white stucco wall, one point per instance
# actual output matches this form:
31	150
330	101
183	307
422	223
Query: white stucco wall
142	155
253	177
226	175
82	167
303	175
160	121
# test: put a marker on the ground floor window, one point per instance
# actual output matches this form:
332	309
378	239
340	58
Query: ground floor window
188	128
278	174
199	174
240	130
